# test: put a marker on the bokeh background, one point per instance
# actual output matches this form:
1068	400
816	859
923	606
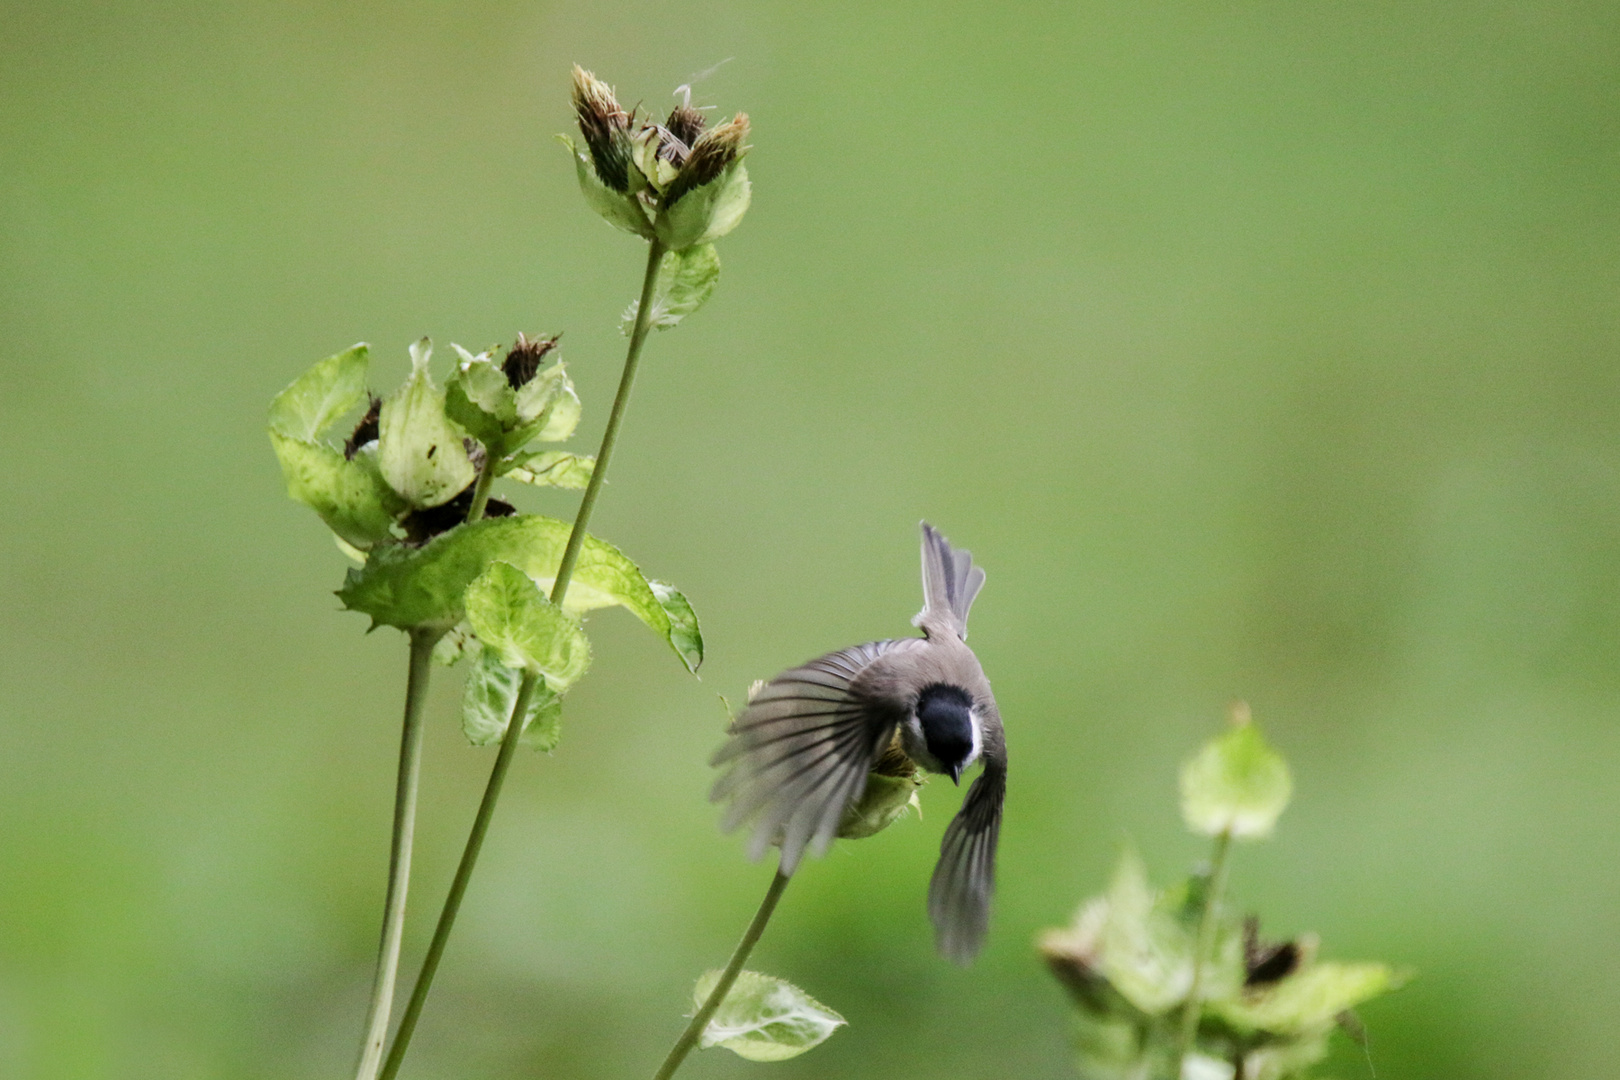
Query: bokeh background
1259	350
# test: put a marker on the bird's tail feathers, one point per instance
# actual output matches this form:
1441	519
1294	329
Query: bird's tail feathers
950	583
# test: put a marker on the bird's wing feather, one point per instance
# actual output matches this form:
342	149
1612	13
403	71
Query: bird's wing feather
800	752
965	878
950	584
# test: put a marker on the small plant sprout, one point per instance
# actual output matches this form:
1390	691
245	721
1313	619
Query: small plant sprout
409	497
1167	985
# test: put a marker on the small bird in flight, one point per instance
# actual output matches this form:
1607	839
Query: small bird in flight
801	752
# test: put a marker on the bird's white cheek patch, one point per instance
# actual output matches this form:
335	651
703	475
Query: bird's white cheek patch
978	737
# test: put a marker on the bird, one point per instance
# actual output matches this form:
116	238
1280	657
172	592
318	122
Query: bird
800	752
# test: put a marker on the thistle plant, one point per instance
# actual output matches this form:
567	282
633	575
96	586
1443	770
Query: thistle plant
1171	985
409	497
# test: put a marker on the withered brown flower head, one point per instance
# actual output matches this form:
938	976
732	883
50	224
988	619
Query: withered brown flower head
524	358
711	153
606	128
684	126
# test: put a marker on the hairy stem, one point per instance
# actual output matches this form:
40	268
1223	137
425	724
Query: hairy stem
399	855
458	886
559	591
750	938
1201	946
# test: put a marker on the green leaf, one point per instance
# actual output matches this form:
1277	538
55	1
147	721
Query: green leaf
489	698
684	636
554	468
548	407
514	620
685	281
349	495
621	210
764	1018
1309	1000
706	213
419	450
1143	949
409	587
1236	783
316	399
480	398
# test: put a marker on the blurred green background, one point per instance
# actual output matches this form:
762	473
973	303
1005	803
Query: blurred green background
1258	350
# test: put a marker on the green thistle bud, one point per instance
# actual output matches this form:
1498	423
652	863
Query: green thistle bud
712	152
606	128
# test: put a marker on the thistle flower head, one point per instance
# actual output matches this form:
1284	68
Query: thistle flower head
606	128
712	152
682	130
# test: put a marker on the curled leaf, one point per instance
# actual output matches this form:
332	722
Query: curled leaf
419	450
316	399
764	1018
554	468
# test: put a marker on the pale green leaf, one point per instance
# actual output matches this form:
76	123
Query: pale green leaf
516	622
1237	783
410	587
480	398
764	1018
548	407
706	213
420	451
554	468
684	635
1143	949
316	399
1308	1000
348	494
621	210
685	280
490	696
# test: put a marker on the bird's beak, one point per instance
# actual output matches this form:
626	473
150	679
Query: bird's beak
956	775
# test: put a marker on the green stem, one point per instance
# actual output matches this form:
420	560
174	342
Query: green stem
610	437
458	886
559	591
750	938
1201	945
486	477
399	856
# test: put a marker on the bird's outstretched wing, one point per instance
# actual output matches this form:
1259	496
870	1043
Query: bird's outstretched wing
950	583
965	877
801	751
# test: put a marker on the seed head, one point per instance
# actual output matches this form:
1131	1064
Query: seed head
713	151
524	358
606	128
682	130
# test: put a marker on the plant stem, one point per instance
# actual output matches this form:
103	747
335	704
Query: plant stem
458	886
1201	946
750	938
399	855
559	591
610	437
486	477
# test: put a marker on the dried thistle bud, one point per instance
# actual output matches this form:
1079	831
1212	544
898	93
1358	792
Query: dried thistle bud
524	358
682	130
606	128
711	153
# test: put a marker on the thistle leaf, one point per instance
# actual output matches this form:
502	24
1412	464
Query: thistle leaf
515	621
764	1018
554	468
1237	783
685	281
705	214
489	698
419	450
411	587
315	400
348	494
